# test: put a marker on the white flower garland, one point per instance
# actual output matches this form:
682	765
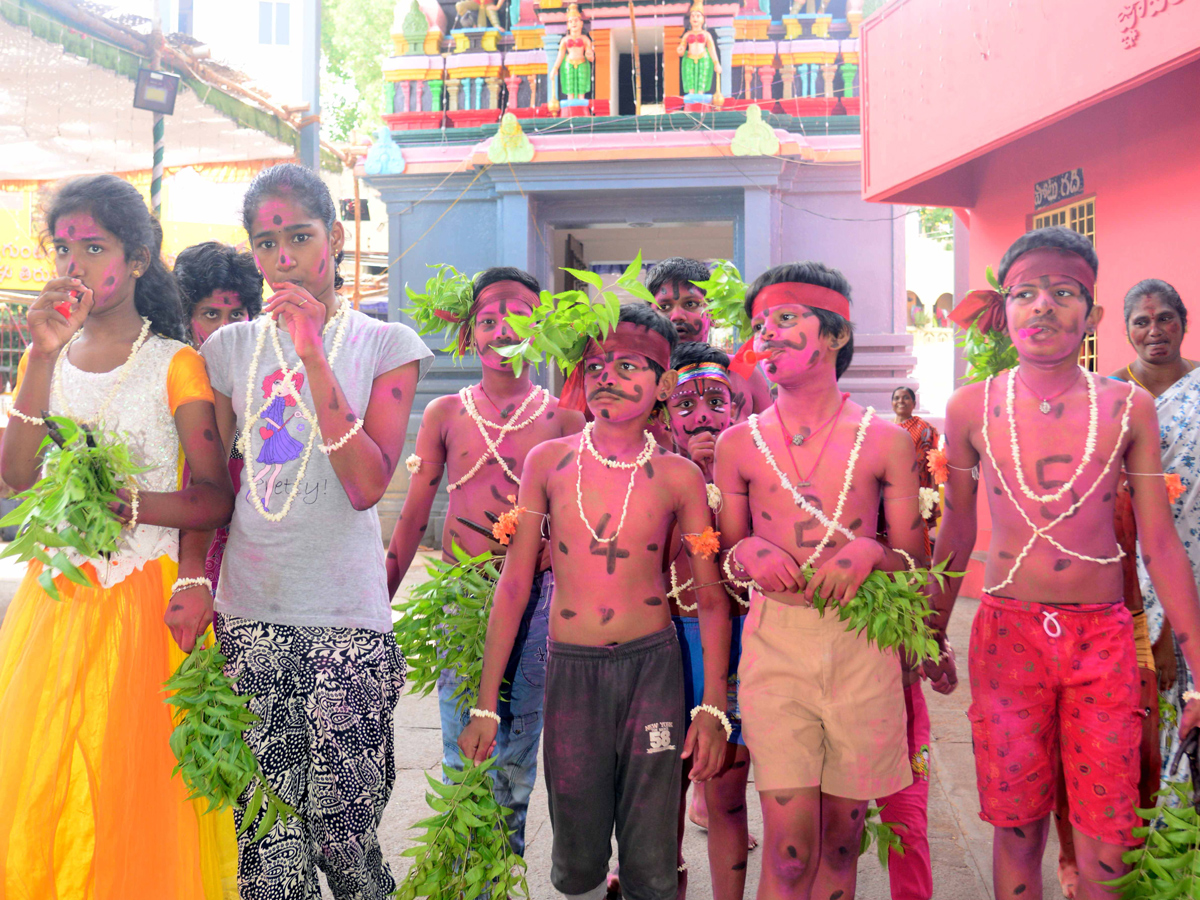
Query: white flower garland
831	525
1089	446
1043	531
182	584
585	441
413	464
477	713
506	428
716	713
926	500
343	440
124	372
713	495
31	420
677	590
284	388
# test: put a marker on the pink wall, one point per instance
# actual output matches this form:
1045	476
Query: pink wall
1140	154
947	81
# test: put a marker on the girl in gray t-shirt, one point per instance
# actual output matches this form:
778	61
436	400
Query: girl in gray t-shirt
321	396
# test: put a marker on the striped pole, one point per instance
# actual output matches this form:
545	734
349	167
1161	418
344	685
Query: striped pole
160	143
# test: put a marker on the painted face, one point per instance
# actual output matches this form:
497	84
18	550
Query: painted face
84	249
1155	330
620	385
290	245
1047	317
902	404
790	334
699	405
215	311
684	304
492	331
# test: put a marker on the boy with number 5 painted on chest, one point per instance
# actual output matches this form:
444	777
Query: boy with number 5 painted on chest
615	721
1054	673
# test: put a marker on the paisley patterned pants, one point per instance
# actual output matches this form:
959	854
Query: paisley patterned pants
325	742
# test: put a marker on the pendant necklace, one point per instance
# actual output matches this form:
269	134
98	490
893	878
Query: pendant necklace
806	480
797	440
1044	407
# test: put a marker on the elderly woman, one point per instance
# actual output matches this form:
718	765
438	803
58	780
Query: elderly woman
1156	321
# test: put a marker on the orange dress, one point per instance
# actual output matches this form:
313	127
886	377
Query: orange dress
89	809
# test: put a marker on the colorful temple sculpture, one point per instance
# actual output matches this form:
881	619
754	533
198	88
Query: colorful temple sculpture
517	141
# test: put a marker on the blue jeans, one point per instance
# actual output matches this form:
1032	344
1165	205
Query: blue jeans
520	717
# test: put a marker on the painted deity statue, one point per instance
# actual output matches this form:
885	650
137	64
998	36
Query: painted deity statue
699	55
579	54
485	12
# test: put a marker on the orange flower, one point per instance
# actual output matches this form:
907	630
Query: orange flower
1174	487
939	465
506	526
705	544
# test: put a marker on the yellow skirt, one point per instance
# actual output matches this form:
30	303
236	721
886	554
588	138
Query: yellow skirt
89	809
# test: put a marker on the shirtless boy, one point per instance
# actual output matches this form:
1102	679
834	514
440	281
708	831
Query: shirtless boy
481	436
822	709
672	282
700	405
614	709
1054	673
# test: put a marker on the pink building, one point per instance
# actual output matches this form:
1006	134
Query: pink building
1084	113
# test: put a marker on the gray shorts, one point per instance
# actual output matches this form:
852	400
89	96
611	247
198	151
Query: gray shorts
615	724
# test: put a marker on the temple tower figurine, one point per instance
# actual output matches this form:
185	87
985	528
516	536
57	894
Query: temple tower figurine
575	57
699	60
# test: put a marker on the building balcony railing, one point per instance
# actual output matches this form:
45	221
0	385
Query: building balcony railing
586	62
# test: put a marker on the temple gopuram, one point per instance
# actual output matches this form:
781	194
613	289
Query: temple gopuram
544	133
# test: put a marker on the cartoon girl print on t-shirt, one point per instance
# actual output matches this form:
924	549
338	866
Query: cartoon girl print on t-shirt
279	447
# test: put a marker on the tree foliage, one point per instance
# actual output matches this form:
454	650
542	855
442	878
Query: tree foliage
355	40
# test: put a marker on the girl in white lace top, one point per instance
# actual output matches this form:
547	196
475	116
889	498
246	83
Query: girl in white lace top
91	807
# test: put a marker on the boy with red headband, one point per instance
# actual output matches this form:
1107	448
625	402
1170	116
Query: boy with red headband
1054	674
480	436
673	284
614	707
822	707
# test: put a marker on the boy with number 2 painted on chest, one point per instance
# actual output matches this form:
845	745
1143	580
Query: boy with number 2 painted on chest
614	706
822	707
1054	672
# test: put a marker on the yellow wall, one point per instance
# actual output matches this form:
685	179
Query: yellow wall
190	216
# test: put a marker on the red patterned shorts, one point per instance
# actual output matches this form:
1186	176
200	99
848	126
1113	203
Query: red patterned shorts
1050	683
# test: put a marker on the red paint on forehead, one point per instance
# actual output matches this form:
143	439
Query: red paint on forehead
277	213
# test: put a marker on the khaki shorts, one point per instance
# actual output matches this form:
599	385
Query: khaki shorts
820	706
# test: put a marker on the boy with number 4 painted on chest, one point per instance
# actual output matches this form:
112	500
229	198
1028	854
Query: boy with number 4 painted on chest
822	707
1054	671
614	707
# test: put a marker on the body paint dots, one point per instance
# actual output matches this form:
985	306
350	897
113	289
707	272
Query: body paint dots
278	220
653	601
397	394
737	809
649	470
653	548
837	895
110	281
766	516
791	851
1061	564
606	615
567	613
562	548
208	435
739	867
844	564
854	815
321	268
1020	888
1019	833
785	799
1106	867
562	463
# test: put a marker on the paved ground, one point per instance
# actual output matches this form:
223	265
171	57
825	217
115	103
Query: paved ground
960	843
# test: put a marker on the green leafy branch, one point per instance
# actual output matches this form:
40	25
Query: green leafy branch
69	507
561	326
892	609
1167	865
881	834
464	849
210	750
454	603
445	303
989	353
725	291
1167	713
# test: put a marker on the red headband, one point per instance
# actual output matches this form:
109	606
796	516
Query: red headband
498	290
804	294
627	337
1050	261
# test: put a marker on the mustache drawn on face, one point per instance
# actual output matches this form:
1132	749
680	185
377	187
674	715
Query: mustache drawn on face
701	429
784	343
686	328
617	392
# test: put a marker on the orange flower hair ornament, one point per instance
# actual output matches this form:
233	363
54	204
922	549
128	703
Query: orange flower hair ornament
706	544
939	465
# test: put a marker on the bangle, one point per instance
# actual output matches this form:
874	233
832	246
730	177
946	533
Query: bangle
485	714
744	585
1189	696
343	441
912	563
133	505
182	584
721	717
29	420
